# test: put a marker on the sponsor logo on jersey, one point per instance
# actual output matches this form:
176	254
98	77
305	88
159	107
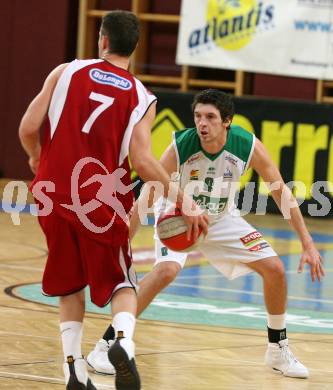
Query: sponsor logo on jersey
211	171
251	238
259	247
193	159
231	159
214	206
227	174
194	174
109	78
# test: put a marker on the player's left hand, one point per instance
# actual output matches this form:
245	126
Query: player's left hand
312	257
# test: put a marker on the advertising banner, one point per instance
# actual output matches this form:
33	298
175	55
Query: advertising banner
284	37
297	135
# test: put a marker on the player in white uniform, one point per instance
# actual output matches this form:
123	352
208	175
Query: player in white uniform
211	157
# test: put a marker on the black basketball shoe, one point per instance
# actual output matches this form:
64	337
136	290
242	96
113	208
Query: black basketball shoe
74	369
121	356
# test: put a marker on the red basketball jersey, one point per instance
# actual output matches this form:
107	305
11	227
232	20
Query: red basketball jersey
93	110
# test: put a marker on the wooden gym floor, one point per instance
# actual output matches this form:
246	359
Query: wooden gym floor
203	332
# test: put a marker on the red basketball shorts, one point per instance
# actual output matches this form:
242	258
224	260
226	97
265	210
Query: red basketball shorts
75	261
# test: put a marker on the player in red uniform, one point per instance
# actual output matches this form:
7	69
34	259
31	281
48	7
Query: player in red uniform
93	113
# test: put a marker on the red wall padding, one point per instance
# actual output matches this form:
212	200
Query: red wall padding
284	87
35	38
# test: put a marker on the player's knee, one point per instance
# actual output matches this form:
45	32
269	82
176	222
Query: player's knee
73	300
167	272
276	269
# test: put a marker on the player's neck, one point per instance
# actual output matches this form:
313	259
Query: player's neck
216	145
114	59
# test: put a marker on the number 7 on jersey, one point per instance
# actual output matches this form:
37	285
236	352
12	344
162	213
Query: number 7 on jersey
106	101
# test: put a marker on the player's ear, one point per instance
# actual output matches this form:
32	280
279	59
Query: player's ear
104	43
227	121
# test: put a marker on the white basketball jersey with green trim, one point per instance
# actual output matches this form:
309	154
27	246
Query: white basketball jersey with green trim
213	180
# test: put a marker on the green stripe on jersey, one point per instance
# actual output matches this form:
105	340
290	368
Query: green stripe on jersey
188	143
239	143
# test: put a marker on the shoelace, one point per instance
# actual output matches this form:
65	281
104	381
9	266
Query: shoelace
287	354
104	347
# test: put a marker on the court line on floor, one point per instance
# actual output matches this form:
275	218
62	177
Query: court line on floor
22	267
6	333
27	363
30	246
208	288
41	269
212	276
214	330
39	378
176	352
229	290
46	379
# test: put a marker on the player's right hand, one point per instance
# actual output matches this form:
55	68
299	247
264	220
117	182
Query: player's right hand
194	217
311	256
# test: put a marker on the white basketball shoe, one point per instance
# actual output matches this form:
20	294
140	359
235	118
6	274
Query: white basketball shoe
279	357
98	360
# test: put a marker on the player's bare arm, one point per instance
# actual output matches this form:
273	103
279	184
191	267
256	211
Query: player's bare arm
34	118
169	163
142	158
150	169
262	163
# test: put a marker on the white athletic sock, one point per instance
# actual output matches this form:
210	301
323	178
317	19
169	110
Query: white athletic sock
125	322
276	321
71	335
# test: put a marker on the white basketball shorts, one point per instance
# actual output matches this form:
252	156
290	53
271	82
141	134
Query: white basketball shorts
231	242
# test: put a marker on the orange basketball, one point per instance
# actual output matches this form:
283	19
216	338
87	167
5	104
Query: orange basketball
171	230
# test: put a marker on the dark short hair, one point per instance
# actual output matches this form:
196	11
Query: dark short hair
122	31
222	101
